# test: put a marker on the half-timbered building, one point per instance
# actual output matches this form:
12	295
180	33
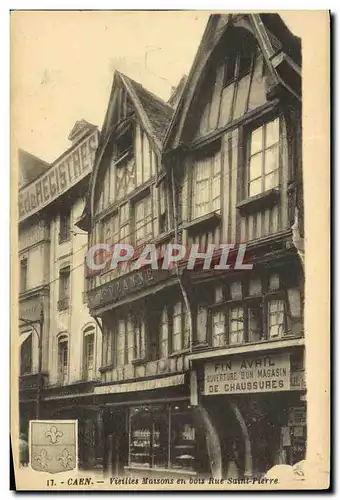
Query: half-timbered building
144	393
233	157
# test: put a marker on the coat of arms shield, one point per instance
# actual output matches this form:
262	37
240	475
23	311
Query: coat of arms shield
53	445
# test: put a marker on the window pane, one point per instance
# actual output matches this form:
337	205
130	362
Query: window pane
163	341
272	132
203	169
183	439
255	166
218	329
236	325
236	290
271	161
270	180
255	187
255	324
256	141
276	318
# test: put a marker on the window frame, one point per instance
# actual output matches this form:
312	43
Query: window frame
139	326
146	196
253	127
64	295
281	295
63	373
65	225
23	281
89	332
209	157
185	327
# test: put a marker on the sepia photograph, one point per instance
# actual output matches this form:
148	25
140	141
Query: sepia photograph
159	189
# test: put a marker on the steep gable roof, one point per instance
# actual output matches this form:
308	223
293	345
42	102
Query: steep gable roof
154	114
278	45
30	167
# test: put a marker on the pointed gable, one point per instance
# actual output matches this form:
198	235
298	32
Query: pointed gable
207	103
79	130
129	99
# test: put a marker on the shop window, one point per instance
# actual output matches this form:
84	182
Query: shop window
89	361
263	173
148	437
162	437
143	220
63	359
23	275
65	225
26	356
183	439
276	318
206	195
236	325
218	329
164	335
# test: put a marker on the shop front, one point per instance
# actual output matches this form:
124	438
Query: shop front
257	406
153	433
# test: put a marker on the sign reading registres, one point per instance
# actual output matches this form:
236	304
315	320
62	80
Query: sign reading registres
58	179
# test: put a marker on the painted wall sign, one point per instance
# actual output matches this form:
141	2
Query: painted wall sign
59	178
142	385
248	374
128	283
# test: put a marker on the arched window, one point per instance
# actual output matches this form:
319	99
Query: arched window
89	353
63	359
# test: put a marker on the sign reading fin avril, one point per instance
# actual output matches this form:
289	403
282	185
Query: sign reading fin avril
248	374
66	172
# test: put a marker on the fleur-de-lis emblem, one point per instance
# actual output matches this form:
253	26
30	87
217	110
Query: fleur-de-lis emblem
65	458
54	434
43	458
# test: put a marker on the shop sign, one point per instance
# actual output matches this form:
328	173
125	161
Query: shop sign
297	381
142	385
29	309
116	289
64	174
248	375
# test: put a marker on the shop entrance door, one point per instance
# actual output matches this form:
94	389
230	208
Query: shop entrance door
116	443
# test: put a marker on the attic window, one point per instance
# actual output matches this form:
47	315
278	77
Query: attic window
238	61
124	143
